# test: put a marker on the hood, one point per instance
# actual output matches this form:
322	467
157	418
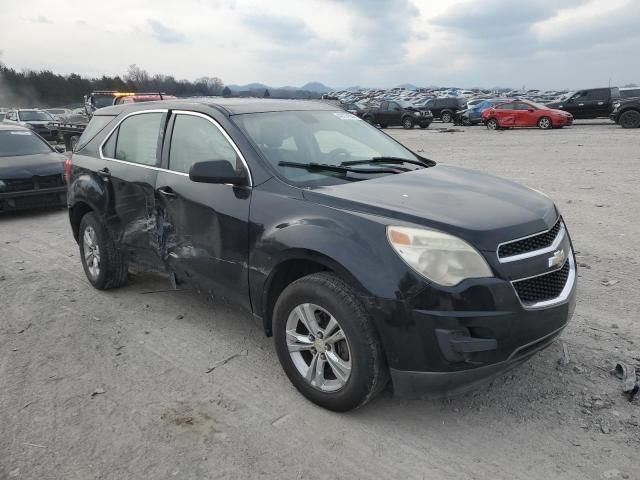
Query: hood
480	208
26	166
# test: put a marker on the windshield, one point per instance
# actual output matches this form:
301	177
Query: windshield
101	101
34	116
322	137
15	143
539	106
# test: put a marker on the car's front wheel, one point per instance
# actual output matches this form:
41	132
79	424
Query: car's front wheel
545	123
446	117
326	343
630	119
101	259
407	123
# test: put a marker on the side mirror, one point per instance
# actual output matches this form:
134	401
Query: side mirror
60	148
217	171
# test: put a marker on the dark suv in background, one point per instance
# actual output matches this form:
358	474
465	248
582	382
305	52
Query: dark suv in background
590	103
446	108
364	260
626	113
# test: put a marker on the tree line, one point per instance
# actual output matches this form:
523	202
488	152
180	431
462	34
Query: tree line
29	88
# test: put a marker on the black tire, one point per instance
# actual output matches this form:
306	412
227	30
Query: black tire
629	119
425	124
370	120
368	374
112	268
545	123
446	117
407	123
492	124
383	125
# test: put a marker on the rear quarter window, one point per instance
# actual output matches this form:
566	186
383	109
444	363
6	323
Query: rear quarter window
96	125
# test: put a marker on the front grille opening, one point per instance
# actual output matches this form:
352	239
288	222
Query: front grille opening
530	244
544	287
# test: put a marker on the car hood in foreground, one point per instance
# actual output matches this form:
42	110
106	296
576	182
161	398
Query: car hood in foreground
26	166
483	209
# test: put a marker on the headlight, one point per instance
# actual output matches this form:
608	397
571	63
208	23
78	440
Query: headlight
437	256
417	114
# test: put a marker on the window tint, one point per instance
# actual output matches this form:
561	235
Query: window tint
505	106
523	106
109	148
196	139
137	140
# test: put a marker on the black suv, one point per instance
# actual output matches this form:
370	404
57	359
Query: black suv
446	108
364	260
590	103
626	113
392	113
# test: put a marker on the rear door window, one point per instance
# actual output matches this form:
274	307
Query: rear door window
136	139
506	106
196	139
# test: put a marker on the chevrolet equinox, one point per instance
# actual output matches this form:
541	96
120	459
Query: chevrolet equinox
366	262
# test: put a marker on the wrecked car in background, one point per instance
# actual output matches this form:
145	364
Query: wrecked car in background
399	113
364	260
37	120
31	171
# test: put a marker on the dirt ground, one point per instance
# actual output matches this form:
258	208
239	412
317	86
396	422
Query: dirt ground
114	385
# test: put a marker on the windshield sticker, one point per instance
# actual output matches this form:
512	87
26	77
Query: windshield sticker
345	116
17	132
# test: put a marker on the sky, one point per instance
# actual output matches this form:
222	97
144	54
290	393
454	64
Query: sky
546	44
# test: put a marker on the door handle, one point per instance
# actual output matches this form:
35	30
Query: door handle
167	192
104	173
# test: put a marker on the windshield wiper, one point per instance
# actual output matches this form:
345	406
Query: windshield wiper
335	168
392	160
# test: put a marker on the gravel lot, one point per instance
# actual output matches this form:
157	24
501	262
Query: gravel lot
113	385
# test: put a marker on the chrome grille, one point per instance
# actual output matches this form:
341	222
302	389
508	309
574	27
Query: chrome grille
543	287
530	244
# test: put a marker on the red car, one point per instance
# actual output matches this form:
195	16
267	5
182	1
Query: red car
520	113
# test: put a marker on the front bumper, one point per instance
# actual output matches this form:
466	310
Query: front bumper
446	340
54	197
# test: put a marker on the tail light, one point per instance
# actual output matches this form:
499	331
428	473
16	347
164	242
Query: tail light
67	169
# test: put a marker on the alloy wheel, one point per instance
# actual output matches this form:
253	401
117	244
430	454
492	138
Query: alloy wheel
318	347
544	123
492	124
91	251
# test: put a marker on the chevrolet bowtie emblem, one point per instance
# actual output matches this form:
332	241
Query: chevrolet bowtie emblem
558	258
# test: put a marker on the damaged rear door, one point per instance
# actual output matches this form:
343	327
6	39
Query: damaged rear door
132	151
206	231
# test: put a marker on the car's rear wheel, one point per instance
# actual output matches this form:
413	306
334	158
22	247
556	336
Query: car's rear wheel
407	123
446	117
326	343
545	123
102	261
492	124
630	119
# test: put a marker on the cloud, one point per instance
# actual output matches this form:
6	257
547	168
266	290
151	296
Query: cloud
41	19
81	23
164	34
279	29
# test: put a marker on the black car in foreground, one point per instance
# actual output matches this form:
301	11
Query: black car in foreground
31	171
364	260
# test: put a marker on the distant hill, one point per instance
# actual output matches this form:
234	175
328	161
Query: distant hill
316	87
407	86
248	86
